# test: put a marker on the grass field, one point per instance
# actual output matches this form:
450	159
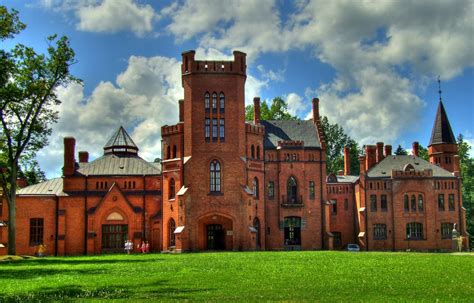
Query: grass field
283	276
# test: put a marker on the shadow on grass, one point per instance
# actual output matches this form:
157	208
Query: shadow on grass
85	261
33	273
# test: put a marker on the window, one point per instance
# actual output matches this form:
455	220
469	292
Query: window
380	231
36	231
413	203
451	201
441	201
406	203
214	129
415	231
174	151
255	188
221	129
207	128
271	190
311	190
171	192
373	202
252	152
114	236
258	151
447	230
292	190
337	239
215	175
346	204
292	231
206	101
168	152
171	234
214	102
383	202
334	207
420	203
222	102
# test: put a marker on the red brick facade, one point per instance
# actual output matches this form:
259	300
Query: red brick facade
229	184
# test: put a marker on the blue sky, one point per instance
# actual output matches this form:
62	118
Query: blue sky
373	64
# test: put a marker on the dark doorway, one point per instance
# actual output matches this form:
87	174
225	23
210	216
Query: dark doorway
215	237
256	225
292	232
114	237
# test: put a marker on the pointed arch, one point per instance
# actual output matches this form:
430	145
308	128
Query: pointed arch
215	176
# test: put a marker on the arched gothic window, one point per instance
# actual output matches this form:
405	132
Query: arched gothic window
168	152
171	192
292	190
171	235
406	203
258	151
214	101
256	225
252	152
413	203
206	101
255	187
215	176
174	151
222	102
420	203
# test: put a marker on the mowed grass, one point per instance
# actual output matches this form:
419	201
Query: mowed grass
252	276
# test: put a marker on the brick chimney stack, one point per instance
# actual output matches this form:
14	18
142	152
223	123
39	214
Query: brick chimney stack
315	109
379	152
362	164
181	110
347	160
416	146
69	161
457	166
256	110
83	157
370	151
388	150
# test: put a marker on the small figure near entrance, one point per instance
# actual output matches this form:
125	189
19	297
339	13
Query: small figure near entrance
147	247
143	247
41	250
128	246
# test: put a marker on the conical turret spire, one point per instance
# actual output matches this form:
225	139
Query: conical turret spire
442	132
120	143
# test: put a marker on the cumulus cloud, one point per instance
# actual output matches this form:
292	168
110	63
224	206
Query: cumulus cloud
107	16
143	98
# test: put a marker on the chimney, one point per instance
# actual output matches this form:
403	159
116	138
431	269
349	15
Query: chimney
256	110
181	110
388	150
187	61
21	182
370	159
347	160
83	157
415	148
379	151
315	109
69	161
457	167
362	164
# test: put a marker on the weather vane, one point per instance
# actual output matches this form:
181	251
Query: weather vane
439	88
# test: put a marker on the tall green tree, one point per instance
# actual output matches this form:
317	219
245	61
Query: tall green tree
467	174
400	151
423	153
28	101
278	110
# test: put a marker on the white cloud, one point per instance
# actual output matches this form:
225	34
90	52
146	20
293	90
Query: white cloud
296	106
144	98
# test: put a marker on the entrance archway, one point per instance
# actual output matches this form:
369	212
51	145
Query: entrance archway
292	233
215	237
215	232
114	237
256	225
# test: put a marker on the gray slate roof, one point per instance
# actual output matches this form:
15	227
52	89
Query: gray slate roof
395	162
114	165
290	130
50	187
347	179
442	132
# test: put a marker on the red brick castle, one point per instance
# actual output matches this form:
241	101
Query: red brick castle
228	184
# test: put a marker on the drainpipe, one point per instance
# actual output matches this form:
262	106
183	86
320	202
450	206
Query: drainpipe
57	227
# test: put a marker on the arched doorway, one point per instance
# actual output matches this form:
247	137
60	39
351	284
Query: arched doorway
256	225
114	233
292	233
215	237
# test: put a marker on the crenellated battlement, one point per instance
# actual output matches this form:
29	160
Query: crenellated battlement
189	65
172	129
255	129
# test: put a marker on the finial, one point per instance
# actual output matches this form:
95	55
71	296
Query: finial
439	88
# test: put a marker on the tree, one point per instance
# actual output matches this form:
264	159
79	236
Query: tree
401	151
467	174
423	153
28	101
278	110
336	140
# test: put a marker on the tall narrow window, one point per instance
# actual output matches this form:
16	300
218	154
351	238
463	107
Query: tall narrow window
346	204
311	190
271	189
292	190
406	202
214	102
373	202
380	231
171	235
174	151
441	201
221	129
334	207
171	192
421	205
252	152
451	201
207	128
383	202
206	101
413	202
168	152
255	187
415	231
214	129
258	151
222	102
36	231
215	176
447	230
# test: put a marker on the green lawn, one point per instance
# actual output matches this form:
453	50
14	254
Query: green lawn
282	276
